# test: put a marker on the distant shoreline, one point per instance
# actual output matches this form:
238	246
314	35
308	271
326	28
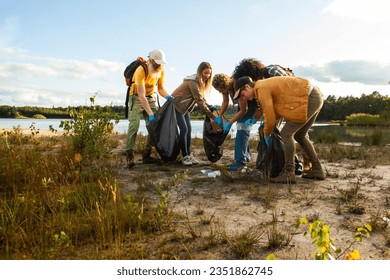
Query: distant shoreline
26	131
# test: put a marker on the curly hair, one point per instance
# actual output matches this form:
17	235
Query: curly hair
221	81
249	67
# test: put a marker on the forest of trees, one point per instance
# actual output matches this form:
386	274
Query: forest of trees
334	109
339	108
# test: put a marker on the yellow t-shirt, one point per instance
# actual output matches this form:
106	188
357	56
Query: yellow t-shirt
153	79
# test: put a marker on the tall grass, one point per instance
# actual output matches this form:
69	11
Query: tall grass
55	205
56	196
49	205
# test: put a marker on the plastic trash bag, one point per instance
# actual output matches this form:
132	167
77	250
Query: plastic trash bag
164	132
271	159
213	138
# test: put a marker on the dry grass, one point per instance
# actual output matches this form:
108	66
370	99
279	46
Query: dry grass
52	206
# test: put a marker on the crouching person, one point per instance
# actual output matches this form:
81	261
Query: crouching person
299	103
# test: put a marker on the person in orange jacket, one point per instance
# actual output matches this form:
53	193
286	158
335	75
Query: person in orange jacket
299	103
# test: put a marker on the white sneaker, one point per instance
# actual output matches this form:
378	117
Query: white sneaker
186	161
194	160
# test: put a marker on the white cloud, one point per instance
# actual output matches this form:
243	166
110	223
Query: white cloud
360	71
48	81
370	11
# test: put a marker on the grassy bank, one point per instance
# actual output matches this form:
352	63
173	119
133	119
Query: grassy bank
55	204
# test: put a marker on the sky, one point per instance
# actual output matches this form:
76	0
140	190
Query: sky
61	53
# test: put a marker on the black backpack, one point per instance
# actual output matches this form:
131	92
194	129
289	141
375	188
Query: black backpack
274	70
128	73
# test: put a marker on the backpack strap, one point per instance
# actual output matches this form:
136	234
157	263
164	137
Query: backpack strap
288	71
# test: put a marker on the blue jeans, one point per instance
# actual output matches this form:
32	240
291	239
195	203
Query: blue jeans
241	146
184	123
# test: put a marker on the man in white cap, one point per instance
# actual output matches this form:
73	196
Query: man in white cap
142	102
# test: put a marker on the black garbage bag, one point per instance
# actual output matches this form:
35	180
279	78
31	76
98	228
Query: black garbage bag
270	159
213	138
164	132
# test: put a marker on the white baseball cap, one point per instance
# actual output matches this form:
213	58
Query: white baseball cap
158	56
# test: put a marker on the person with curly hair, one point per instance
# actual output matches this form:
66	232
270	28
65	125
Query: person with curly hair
256	70
245	111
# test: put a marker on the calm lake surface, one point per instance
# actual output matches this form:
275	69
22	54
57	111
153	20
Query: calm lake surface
344	133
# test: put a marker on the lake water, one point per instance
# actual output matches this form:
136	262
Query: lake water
344	133
121	127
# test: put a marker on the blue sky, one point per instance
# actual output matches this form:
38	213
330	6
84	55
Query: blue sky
59	53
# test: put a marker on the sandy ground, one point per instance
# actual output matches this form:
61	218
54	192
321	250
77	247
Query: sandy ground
240	202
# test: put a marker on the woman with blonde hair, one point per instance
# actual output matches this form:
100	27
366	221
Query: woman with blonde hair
190	93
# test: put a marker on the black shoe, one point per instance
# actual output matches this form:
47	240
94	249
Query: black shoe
130	158
149	160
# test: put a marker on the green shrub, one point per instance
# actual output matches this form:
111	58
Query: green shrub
39	116
90	129
361	119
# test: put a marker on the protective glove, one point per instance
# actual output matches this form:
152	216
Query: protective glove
219	122
169	97
266	138
226	127
151	118
250	122
213	107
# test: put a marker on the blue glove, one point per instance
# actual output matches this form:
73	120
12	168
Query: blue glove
250	122
226	127
213	107
266	138
151	118
169	97
219	122
261	124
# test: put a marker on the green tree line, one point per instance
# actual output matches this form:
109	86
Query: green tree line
334	109
51	113
342	107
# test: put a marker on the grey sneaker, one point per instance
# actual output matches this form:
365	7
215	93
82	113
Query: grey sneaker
194	160
186	161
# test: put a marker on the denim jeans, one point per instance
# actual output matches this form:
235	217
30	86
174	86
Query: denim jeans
184	123
241	144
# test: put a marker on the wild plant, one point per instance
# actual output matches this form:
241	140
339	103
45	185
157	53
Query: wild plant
244	243
90	129
267	195
276	236
326	249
